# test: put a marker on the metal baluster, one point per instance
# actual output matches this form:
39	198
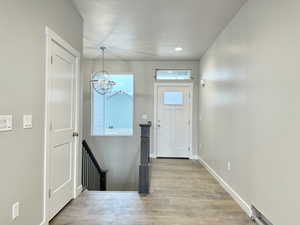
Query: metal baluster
93	178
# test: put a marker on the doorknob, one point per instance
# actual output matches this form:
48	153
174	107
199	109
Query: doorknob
75	134
158	125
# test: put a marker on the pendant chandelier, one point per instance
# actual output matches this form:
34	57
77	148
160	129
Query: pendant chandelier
101	82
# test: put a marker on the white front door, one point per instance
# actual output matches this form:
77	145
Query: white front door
61	108
173	121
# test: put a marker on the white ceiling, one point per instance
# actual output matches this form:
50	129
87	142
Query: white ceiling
151	29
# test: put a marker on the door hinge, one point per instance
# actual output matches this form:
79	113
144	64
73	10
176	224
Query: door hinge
49	193
189	123
189	149
50	126
51	59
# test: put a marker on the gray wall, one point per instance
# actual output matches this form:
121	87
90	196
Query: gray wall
22	72
250	107
120	155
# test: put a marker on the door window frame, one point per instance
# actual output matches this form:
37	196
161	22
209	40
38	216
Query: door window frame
155	108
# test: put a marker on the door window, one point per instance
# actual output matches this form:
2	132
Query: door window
173	98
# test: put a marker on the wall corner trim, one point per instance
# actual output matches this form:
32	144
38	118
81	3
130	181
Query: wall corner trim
242	203
79	189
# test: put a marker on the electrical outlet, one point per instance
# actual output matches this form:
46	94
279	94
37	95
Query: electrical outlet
228	166
15	210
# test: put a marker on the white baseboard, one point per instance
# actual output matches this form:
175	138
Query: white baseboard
79	190
259	222
152	156
242	203
43	222
195	157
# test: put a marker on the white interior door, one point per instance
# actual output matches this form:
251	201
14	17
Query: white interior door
61	103
173	121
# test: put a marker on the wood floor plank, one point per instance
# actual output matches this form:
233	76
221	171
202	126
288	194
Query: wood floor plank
182	193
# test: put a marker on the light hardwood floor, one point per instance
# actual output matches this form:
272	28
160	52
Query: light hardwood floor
182	193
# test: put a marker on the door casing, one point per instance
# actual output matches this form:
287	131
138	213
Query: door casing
155	133
51	36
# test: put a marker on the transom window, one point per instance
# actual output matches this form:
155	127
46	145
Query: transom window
179	74
112	113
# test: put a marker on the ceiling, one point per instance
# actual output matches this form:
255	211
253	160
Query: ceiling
151	29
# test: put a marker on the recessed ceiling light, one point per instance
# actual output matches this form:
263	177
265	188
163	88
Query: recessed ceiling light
178	49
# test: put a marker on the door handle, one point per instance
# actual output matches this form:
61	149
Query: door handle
75	134
158	125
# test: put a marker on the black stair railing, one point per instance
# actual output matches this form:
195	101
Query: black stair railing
145	165
93	177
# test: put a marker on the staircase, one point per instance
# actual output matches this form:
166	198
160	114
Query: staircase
94	178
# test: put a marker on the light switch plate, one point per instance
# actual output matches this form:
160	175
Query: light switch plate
6	122
27	121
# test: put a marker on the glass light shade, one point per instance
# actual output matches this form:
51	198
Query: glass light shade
101	82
